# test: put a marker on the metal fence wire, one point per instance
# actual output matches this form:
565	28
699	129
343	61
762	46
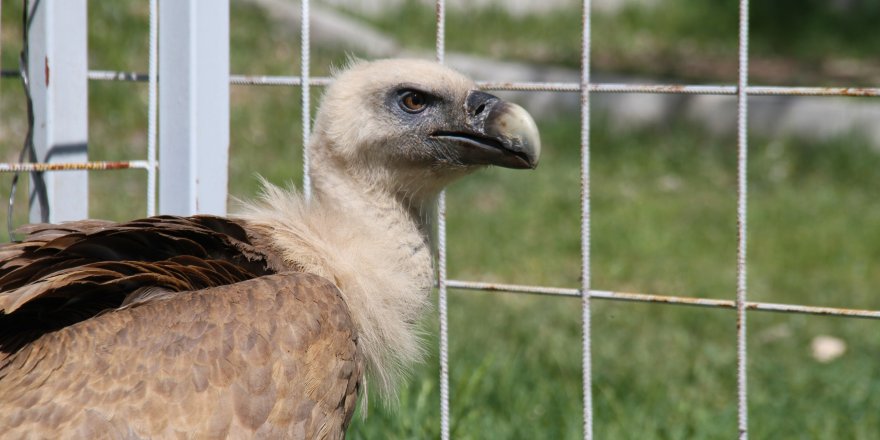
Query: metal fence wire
742	90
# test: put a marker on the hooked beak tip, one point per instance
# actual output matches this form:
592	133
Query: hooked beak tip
518	129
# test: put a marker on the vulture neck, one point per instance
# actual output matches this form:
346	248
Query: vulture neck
377	201
373	243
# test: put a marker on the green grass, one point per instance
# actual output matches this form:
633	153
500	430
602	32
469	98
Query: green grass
663	221
675	40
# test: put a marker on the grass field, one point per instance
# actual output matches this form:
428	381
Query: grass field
663	221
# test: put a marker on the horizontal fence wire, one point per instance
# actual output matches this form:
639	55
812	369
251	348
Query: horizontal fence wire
665	299
74	166
530	86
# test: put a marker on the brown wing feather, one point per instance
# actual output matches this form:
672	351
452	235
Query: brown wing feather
273	357
63	274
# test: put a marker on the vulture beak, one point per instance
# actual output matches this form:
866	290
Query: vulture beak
497	133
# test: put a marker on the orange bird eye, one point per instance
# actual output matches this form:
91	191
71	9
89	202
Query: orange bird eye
413	102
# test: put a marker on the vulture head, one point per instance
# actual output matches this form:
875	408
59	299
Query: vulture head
388	137
410	127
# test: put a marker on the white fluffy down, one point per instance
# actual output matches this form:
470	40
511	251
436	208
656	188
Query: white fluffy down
384	272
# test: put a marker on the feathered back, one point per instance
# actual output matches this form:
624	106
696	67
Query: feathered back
62	274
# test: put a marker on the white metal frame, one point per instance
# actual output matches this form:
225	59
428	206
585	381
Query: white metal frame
742	90
193	106
57	69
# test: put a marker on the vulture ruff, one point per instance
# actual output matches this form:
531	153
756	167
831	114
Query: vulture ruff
268	323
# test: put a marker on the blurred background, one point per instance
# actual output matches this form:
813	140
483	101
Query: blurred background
663	204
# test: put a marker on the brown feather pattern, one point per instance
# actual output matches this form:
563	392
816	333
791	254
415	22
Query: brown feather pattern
62	274
245	360
168	326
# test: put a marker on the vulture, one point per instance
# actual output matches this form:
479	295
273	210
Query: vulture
268	323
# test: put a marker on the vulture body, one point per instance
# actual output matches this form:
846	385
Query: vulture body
268	323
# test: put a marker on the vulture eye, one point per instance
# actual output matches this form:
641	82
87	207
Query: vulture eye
412	101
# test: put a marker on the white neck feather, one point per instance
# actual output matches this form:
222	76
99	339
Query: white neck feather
373	247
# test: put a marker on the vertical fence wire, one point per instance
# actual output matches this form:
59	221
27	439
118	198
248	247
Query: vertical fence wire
152	108
585	222
742	180
306	99
441	258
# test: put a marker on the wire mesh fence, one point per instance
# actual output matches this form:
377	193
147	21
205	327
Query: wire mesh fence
585	87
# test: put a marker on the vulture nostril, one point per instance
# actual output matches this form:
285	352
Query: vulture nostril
479	109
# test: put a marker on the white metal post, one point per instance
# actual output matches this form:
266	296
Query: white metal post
58	70
153	108
193	106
